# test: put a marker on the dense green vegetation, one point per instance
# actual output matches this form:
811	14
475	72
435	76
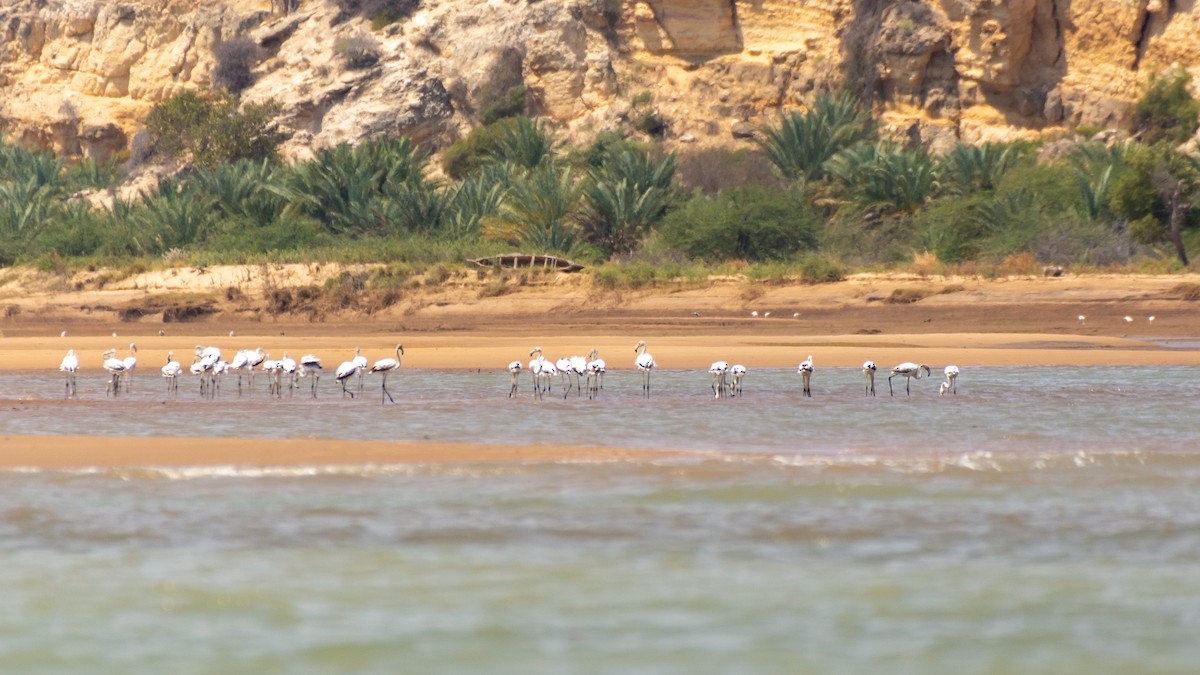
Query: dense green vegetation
841	198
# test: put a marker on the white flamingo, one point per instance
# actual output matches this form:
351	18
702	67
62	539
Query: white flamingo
739	372
171	372
541	369
344	372
869	371
361	362
115	368
950	385
289	367
385	367
219	369
70	366
310	366
515	369
806	370
908	370
130	363
646	364
578	366
274	369
596	367
718	370
563	366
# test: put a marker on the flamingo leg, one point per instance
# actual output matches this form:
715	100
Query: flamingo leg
385	391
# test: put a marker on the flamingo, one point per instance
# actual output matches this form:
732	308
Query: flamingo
908	370
386	366
70	366
515	369
115	367
951	381
596	368
218	369
289	367
579	368
130	363
739	372
718	370
541	369
310	364
563	366
171	371
247	360
360	362
274	368
345	372
869	372
806	370
646	364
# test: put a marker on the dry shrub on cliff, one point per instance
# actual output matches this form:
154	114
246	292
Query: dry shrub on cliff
359	51
235	59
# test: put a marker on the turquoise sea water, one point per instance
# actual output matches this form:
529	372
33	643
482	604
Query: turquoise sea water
1043	520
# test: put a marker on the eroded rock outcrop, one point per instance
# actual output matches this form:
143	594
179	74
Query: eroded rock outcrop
79	76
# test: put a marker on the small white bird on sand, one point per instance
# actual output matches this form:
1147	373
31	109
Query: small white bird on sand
1128	319
1082	319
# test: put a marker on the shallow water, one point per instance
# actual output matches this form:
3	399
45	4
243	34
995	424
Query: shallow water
1043	520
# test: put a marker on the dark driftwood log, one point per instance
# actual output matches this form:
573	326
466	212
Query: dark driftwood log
518	260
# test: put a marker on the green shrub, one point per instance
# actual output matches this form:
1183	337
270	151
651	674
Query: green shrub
747	223
1167	112
207	130
509	103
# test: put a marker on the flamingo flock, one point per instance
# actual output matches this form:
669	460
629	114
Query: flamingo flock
208	366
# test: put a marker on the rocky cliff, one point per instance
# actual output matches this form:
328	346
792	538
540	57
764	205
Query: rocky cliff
79	76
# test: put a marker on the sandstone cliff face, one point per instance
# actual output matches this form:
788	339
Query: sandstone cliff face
79	76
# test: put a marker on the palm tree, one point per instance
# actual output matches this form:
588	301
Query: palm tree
980	167
886	174
626	196
803	142
537	211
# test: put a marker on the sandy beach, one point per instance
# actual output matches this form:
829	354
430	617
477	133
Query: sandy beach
976	323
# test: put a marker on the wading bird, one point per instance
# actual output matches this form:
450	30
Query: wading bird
908	370
718	370
806	370
596	368
171	372
515	369
739	372
869	372
345	372
115	368
361	362
646	364
130	363
70	366
385	367
950	385
310	366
